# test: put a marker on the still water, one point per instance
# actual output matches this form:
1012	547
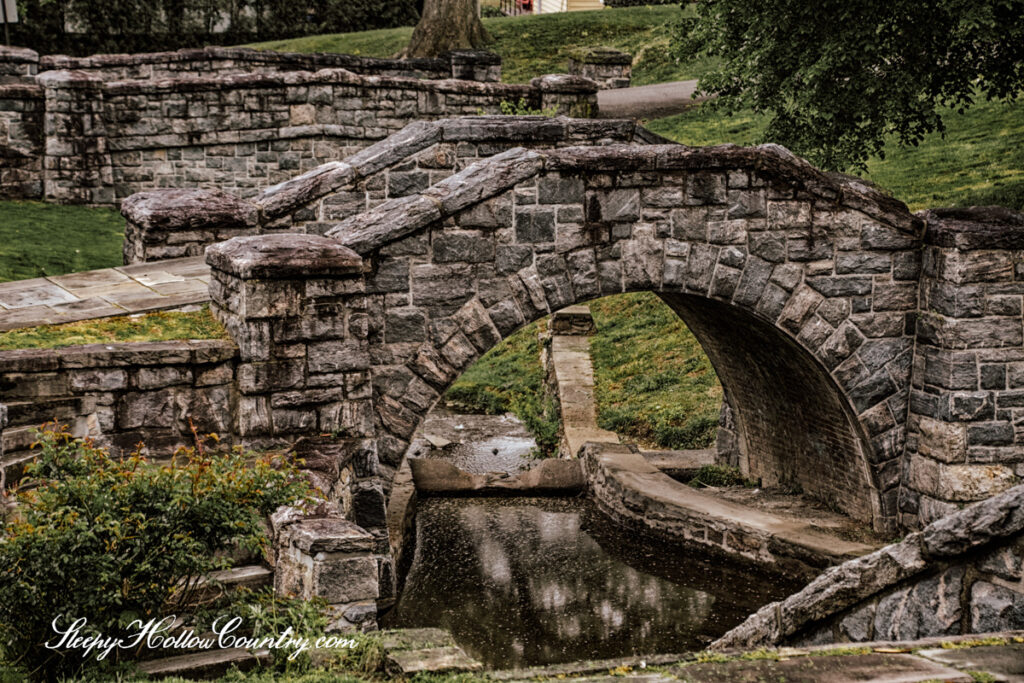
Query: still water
521	582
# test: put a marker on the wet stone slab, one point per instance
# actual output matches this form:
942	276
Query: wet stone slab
1003	662
478	444
868	668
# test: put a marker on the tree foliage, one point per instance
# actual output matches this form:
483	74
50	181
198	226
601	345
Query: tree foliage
89	26
837	77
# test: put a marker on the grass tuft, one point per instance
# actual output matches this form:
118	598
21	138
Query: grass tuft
159	326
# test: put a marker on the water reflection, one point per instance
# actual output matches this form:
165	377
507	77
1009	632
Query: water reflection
531	581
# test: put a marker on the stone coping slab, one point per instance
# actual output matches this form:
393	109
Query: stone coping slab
977	227
139	288
283	256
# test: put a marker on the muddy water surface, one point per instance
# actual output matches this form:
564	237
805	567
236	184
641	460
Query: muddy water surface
521	582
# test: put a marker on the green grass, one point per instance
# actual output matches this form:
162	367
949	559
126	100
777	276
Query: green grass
160	326
653	382
39	239
510	378
535	45
979	161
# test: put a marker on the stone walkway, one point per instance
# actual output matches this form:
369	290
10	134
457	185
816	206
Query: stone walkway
647	101
139	288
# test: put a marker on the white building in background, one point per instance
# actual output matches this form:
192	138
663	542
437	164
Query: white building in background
551	6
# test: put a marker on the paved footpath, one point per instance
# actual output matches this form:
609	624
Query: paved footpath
647	101
138	288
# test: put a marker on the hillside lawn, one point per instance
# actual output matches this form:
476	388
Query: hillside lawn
534	45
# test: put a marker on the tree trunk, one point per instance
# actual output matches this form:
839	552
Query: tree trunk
447	25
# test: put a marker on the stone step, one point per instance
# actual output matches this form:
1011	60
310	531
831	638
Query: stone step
430	660
221	582
205	665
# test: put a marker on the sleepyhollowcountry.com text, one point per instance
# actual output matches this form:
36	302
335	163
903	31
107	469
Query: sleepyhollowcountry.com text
154	635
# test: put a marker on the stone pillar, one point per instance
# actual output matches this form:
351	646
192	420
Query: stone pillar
171	223
606	66
323	555
966	422
572	96
728	446
294	304
76	166
475	65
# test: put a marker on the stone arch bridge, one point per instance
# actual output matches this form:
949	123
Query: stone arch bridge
872	357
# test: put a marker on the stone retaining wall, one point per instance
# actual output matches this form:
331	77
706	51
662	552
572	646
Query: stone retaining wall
121	394
961	574
164	224
636	495
102	140
470	65
219	61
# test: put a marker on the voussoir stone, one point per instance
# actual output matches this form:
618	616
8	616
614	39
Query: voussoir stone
283	255
188	209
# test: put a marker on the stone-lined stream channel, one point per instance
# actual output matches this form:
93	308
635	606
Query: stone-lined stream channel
528	581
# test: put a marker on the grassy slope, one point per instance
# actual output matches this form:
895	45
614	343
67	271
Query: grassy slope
653	381
534	45
510	378
980	160
45	239
160	326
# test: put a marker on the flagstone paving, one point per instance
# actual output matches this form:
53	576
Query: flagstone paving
138	288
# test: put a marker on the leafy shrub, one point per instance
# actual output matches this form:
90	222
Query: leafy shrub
141	25
117	540
522	108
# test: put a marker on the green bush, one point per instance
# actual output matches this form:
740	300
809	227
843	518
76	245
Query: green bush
522	108
117	540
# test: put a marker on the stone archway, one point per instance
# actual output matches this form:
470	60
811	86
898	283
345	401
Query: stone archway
765	257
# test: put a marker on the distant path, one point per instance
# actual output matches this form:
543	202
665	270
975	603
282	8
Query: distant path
138	288
647	101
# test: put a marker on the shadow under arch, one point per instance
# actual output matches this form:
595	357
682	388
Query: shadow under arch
797	431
